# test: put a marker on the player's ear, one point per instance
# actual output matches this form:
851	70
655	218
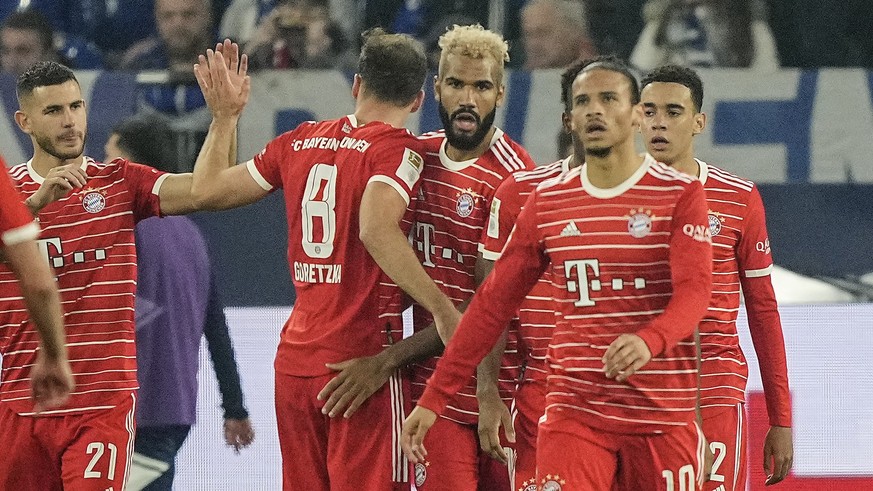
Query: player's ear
22	121
356	86
699	123
416	105
566	123
436	87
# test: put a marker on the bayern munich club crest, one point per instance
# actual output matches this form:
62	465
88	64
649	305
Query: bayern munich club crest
466	202
553	483
714	223
420	473
93	201
640	223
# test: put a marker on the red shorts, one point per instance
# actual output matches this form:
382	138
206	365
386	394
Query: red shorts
456	462
574	457
322	453
528	407
726	431
88	451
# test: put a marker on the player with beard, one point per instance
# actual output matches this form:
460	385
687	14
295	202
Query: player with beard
87	211
464	165
626	241
672	97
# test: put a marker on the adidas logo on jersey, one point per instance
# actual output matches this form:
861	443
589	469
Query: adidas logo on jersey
571	230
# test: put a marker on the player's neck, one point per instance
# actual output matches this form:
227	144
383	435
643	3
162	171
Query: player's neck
686	164
369	111
615	168
459	155
43	162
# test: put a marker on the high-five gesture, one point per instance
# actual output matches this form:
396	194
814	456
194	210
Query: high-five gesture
223	77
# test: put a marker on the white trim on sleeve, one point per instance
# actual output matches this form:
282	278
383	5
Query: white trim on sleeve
489	255
21	234
257	176
757	273
156	189
391	182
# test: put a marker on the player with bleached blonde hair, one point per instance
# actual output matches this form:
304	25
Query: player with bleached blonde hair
464	165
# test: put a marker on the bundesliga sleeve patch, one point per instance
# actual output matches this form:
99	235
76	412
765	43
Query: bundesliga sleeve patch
410	167
494	219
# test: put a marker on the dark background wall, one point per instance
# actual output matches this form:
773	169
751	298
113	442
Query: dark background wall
815	230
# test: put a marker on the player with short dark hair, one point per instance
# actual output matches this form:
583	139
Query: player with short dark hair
87	210
671	98
347	184
622	379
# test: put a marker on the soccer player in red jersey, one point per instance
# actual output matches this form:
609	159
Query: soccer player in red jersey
464	165
671	98
537	313
51	379
347	184
87	211
622	365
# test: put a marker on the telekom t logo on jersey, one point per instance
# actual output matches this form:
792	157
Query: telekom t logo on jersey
425	236
53	251
579	281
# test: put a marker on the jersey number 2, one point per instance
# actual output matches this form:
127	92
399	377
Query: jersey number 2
319	214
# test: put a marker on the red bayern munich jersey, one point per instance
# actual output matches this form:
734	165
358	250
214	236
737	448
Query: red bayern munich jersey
741	258
636	259
536	316
16	222
87	237
451	214
346	306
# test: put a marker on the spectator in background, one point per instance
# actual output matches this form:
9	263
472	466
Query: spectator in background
25	38
812	33
706	33
615	25
555	33
176	305
298	34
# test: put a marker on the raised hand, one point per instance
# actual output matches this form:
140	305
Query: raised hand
223	79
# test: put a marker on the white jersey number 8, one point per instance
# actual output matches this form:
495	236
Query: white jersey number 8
319	201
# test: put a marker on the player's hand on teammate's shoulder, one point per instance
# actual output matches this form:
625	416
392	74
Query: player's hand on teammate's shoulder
778	454
238	433
627	354
355	382
223	78
414	430
58	183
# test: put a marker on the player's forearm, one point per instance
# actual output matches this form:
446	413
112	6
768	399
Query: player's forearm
766	329
422	345
40	296
488	371
215	156
686	308
390	248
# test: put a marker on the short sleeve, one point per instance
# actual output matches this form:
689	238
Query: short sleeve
265	168
505	207
397	161
144	183
16	222
753	249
